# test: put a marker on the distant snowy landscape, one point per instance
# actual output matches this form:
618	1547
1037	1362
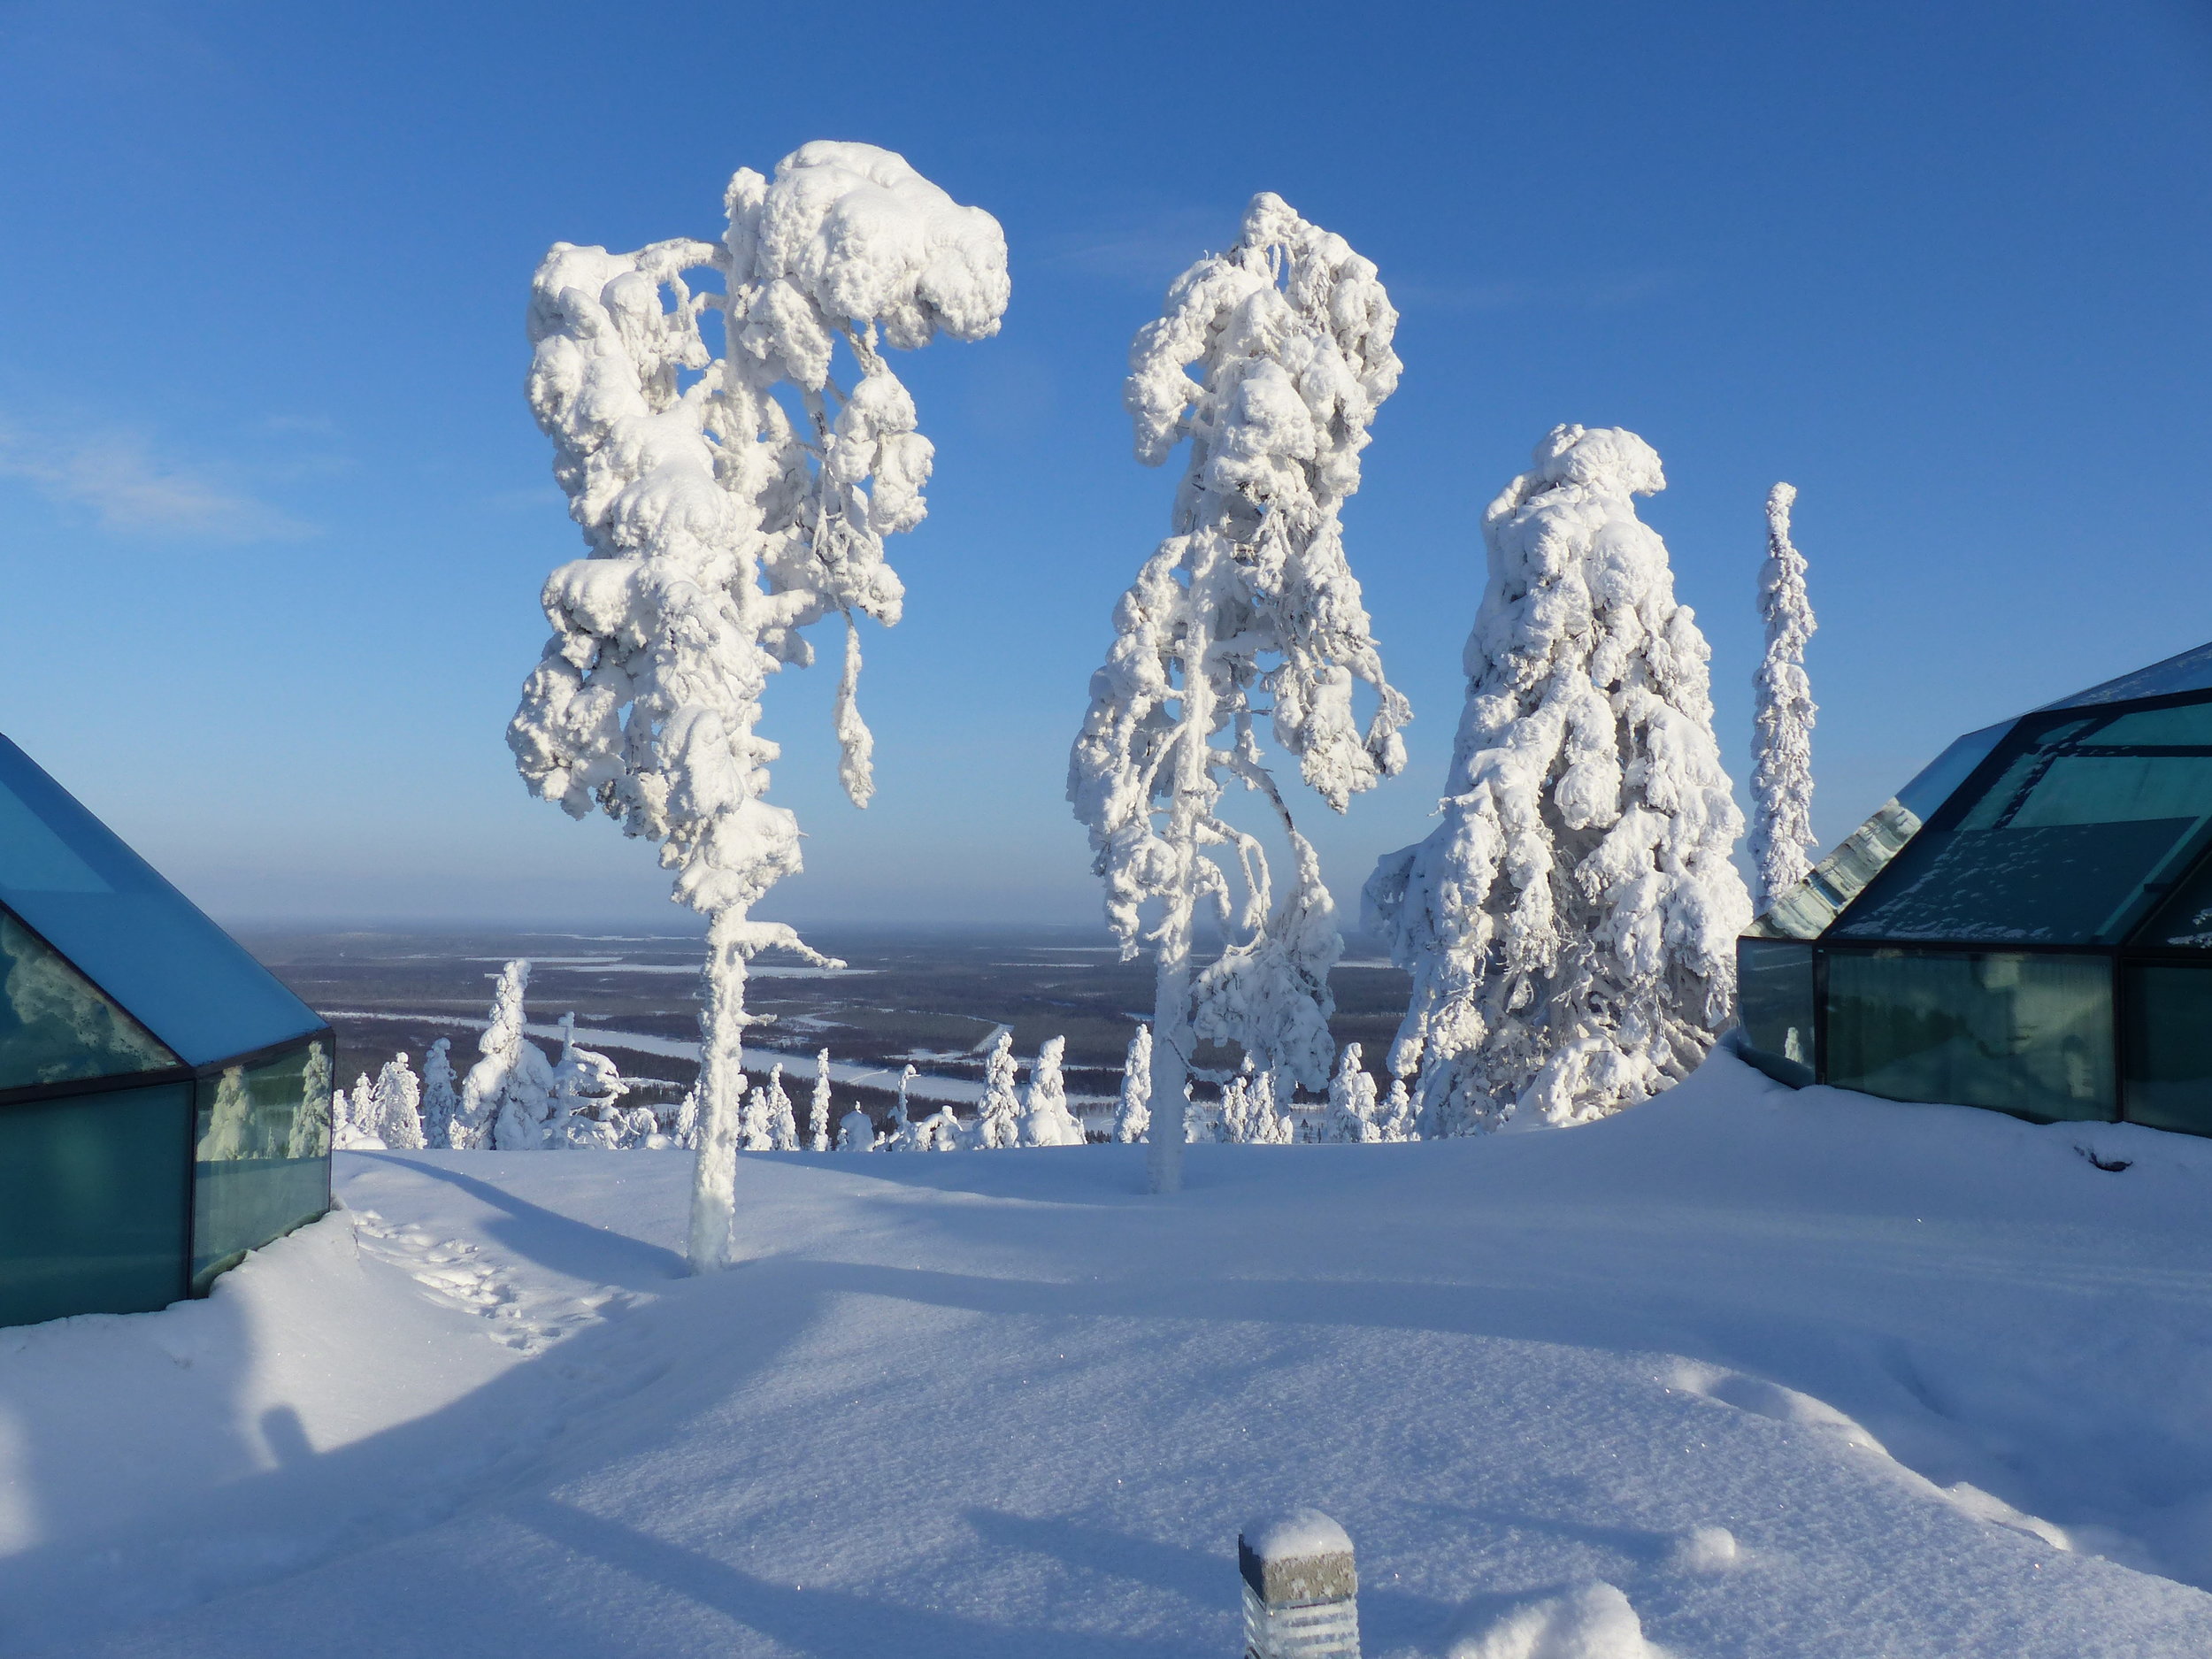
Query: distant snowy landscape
1794	1373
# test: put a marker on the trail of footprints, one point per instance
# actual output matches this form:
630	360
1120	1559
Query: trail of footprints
458	1274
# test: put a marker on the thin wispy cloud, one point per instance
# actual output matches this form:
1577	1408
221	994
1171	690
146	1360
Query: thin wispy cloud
131	489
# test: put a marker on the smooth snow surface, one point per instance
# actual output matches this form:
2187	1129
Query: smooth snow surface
1738	1373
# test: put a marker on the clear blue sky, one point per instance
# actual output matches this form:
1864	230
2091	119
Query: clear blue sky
273	514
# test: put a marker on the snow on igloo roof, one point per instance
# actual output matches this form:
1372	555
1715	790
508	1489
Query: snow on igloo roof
73	881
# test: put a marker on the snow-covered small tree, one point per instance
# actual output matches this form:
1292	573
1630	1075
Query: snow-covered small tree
399	1106
757	1130
1399	1118
1133	1110
855	1132
503	1097
941	1131
355	1118
1046	1120
1571	925
440	1100
684	1130
1782	841
1248	610
583	1110
310	1136
998	1121
819	1119
902	1136
1351	1114
720	527
783	1128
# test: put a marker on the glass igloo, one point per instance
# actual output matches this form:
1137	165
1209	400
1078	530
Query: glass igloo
165	1102
2026	926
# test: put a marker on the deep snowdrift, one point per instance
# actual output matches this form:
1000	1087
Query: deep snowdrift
1000	1403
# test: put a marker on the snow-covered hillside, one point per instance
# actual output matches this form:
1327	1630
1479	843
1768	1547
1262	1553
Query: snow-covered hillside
1799	1374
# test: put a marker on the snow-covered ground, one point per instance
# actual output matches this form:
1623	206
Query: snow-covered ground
1798	1374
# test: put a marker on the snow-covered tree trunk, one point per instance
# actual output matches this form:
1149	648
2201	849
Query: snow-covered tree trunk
719	527
1133	1112
440	1101
1571	925
1782	841
1249	608
819	1115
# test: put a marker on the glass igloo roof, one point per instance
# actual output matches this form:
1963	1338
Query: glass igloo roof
2083	823
176	984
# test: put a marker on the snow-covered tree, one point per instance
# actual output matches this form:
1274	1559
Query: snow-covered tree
818	1120
1133	1112
1046	1120
855	1132
1571	925
310	1136
998	1121
440	1101
503	1097
719	527
756	1130
902	1134
1248	608
355	1120
783	1128
1782	841
1351	1114
684	1131
399	1106
582	1106
941	1131
1399	1119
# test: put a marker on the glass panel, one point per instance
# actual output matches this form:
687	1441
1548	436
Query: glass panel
1774	1000
1806	910
263	1156
92	1197
2169	1050
128	931
55	1025
2068	845
2185	921
2191	670
2029	1034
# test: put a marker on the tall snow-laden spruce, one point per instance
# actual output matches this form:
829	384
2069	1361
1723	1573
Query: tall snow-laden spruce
440	1102
504	1096
719	526
1571	925
1782	842
1271	359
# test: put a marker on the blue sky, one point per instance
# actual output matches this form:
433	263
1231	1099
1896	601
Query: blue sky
273	514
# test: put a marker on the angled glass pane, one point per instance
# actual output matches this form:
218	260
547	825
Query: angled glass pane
92	1203
1808	908
2168	1060
2189	670
2070	841
128	931
2027	1034
2184	922
261	1159
56	1025
1774	1002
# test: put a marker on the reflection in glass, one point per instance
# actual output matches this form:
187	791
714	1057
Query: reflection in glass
56	1025
1774	1000
92	1203
2169	1058
2027	1034
262	1161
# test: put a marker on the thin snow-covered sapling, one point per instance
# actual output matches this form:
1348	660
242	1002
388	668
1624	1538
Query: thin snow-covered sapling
901	1137
1133	1110
729	503
783	1128
1271	359
818	1117
1571	925
440	1099
1782	841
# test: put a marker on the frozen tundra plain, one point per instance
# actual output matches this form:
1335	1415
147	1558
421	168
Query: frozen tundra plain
1793	1373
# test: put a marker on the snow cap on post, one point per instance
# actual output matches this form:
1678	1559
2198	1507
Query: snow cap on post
1300	1587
